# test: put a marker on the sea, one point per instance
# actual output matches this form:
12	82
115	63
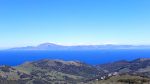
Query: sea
93	57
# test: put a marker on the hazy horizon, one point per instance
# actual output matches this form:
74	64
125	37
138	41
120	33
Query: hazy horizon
59	44
74	22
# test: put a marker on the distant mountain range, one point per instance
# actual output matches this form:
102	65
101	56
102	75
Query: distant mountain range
74	72
52	46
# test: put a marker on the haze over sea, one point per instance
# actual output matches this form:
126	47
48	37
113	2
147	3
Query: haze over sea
88	56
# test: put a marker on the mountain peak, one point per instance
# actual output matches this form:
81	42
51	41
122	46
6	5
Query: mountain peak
47	45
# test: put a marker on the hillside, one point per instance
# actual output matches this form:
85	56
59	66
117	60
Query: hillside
122	79
135	67
75	72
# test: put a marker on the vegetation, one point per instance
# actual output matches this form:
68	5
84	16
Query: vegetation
74	72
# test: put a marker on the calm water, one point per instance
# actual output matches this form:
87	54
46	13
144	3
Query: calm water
90	57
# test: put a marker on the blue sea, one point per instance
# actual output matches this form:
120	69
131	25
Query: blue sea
93	57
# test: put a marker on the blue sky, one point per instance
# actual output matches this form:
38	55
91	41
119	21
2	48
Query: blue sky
74	22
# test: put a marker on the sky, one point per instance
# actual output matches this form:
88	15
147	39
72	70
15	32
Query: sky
74	22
